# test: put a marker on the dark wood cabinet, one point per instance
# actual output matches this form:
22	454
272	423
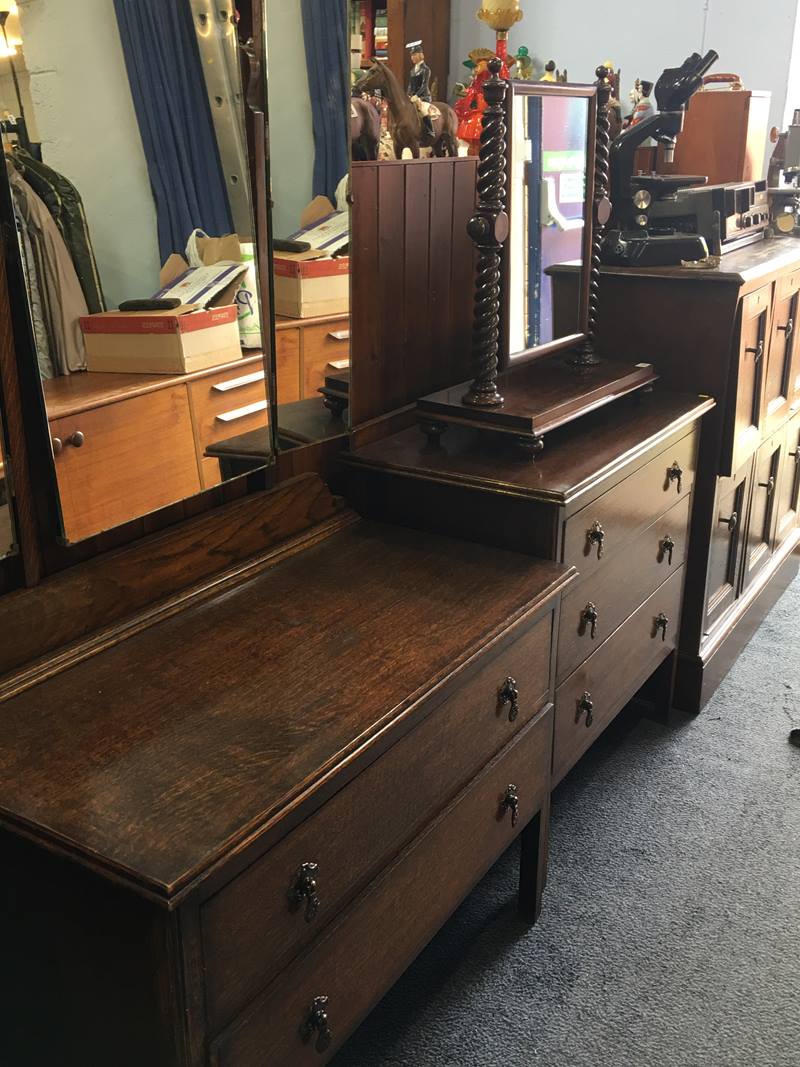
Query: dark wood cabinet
780	390
750	376
787	506
728	534
762	512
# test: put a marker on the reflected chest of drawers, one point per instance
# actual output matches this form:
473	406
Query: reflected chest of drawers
225	837
611	496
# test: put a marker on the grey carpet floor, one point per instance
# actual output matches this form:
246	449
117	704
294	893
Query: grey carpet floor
670	935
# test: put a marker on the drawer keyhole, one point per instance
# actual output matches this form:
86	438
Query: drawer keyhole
667	548
317	1023
305	888
589	617
597	536
509	694
585	705
511	803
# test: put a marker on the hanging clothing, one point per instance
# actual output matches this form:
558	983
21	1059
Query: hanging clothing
31	265
66	206
328	61
58	280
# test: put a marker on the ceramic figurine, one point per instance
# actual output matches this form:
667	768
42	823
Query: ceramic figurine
471	106
550	72
643	108
525	65
419	85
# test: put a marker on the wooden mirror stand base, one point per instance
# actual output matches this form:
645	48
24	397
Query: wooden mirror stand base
537	399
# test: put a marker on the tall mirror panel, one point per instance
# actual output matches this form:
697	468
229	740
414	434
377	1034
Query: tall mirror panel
7	533
129	187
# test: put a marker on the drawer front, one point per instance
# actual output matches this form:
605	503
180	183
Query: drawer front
629	508
591	697
596	606
379	936
287	358
138	455
320	346
761	520
251	929
788	501
225	405
752	358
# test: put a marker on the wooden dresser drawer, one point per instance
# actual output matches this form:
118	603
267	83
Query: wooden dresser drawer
287	359
630	507
376	939
251	931
321	344
616	671
615	591
225	405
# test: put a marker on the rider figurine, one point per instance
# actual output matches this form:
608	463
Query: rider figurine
419	86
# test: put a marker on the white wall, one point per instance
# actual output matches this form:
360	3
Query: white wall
291	131
89	132
753	39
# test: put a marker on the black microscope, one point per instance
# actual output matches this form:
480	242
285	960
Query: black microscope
628	240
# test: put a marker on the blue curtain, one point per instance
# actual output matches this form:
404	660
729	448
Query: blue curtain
327	56
171	102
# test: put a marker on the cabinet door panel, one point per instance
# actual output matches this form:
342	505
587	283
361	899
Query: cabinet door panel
781	358
750	378
761	521
787	505
726	541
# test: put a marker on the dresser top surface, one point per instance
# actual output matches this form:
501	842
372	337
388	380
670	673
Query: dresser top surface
575	458
159	756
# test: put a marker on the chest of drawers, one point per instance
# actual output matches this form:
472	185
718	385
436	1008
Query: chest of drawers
238	856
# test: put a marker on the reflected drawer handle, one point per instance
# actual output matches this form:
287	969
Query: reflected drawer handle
237	383
304	888
675	474
769	486
510	803
585	704
241	413
667	548
788	329
339	335
597	536
589	618
76	440
662	622
758	352
317	1023
731	523
509	694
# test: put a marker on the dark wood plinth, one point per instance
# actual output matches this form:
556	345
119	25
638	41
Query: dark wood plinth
537	398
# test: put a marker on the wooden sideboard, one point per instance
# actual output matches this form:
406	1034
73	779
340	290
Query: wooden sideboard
732	332
210	827
611	496
144	437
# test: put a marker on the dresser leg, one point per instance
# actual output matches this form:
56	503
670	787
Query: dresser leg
535	842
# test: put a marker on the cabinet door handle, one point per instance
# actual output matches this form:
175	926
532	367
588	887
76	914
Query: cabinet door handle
509	694
757	352
318	1023
75	440
731	523
304	888
662	622
596	536
788	329
795	456
585	704
510	803
768	485
667	548
675	474
589	617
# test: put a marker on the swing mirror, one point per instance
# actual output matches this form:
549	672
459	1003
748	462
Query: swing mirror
7	534
130	179
551	191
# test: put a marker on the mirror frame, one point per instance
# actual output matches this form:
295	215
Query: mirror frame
558	90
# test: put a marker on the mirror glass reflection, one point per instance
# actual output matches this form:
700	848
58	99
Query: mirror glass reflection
125	143
7	535
550	143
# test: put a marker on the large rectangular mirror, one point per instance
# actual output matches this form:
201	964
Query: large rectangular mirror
7	533
129	181
551	169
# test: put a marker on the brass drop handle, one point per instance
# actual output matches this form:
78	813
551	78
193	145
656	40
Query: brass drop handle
318	1023
304	888
76	440
510	803
768	485
795	456
586	704
675	474
788	329
667	548
758	351
509	694
597	536
589	617
662	622
731	523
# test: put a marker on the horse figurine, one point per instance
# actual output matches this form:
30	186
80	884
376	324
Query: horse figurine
405	121
365	130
